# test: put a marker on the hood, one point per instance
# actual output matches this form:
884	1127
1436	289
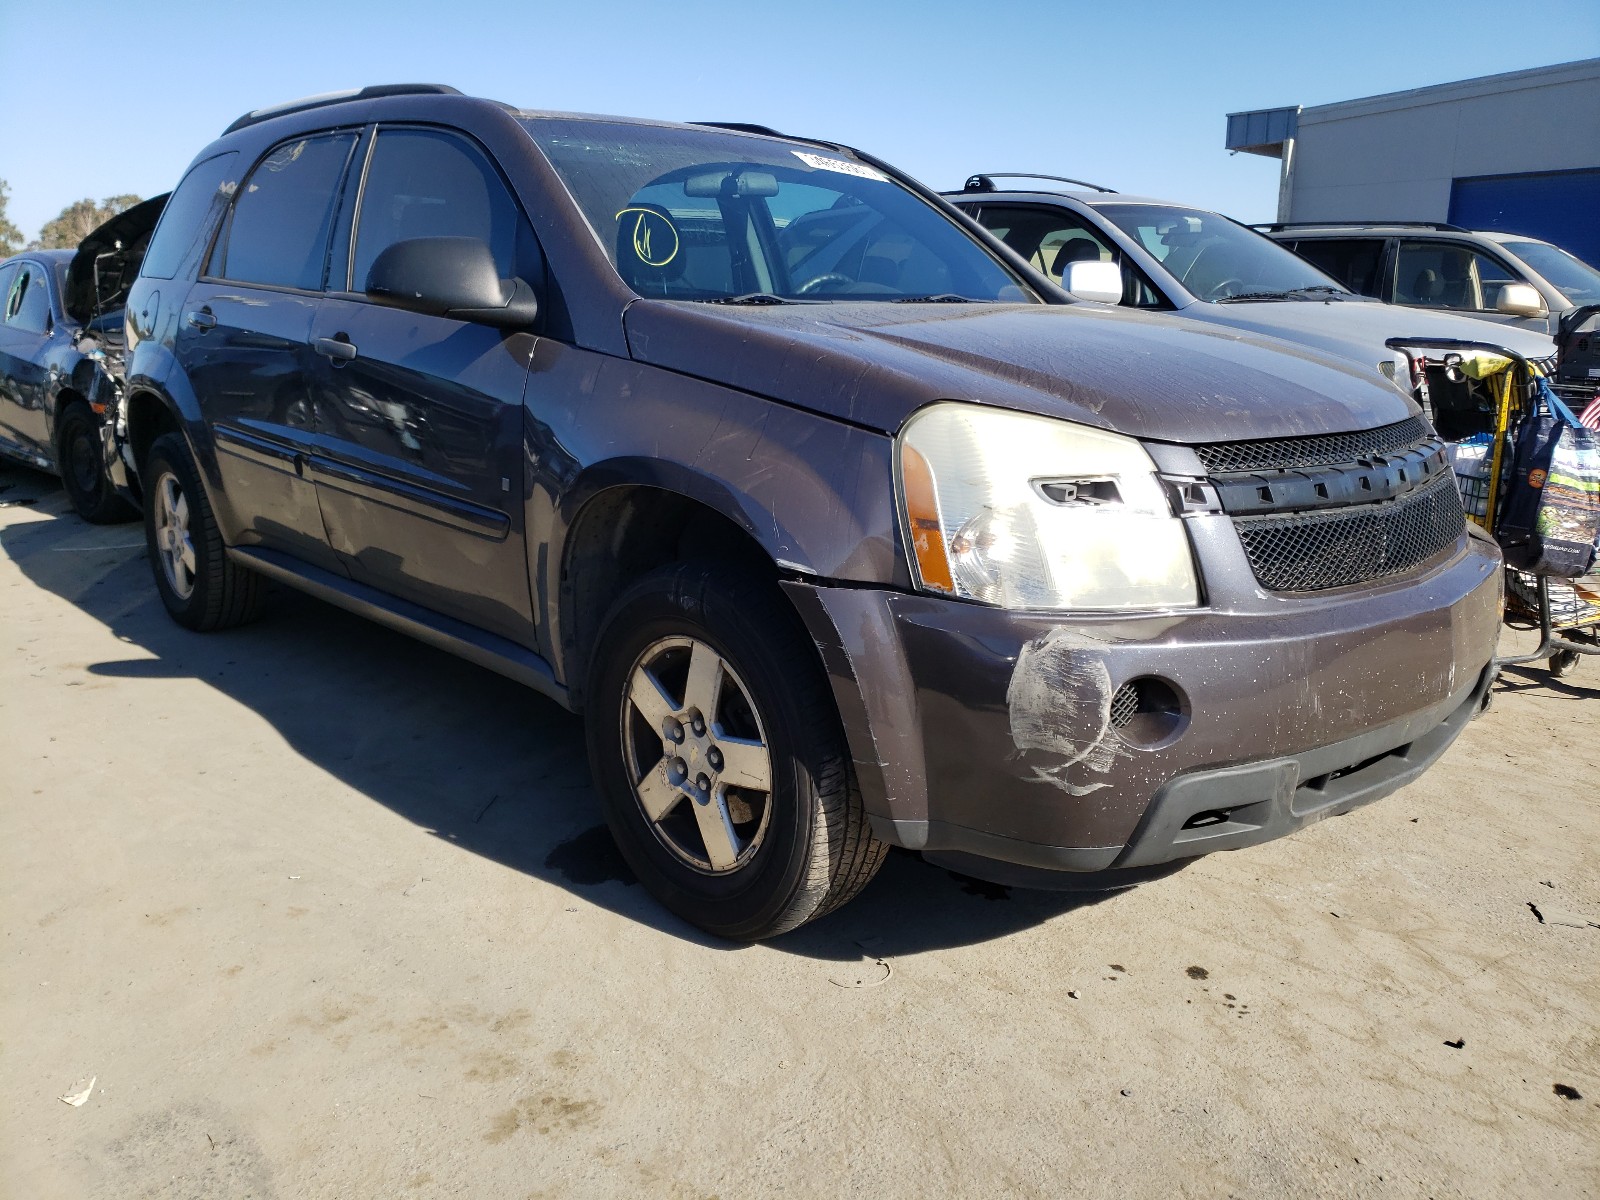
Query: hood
117	248
1157	377
1358	329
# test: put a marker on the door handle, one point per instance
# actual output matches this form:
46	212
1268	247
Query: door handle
337	348
201	318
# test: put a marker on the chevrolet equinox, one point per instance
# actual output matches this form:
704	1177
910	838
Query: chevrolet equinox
841	526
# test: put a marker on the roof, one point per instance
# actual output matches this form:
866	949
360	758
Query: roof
1095	199
1462	89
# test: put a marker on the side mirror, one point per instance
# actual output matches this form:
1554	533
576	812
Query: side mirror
452	277
1520	300
1097	281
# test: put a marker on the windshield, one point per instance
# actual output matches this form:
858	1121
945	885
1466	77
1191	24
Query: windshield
1215	258
1578	281
718	216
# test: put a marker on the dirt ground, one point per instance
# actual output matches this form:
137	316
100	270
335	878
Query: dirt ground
322	912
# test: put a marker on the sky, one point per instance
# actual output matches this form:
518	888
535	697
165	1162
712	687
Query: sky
1130	95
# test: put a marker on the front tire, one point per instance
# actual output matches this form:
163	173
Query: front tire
719	757
202	588
83	469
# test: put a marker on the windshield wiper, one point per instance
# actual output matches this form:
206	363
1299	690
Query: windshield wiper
936	298
1255	296
1315	291
752	298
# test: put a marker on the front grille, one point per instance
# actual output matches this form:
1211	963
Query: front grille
1310	551
1326	450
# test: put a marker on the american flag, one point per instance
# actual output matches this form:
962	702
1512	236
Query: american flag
1590	417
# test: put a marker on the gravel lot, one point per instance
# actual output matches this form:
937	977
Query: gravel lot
323	912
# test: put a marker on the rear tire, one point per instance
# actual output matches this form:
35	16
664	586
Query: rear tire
202	588
719	756
83	469
1564	663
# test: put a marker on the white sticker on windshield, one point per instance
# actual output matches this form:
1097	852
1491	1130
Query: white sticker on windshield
844	167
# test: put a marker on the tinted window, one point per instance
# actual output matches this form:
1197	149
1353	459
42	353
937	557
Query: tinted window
422	183
1354	262
28	306
278	232
1445	275
190	215
1050	238
703	214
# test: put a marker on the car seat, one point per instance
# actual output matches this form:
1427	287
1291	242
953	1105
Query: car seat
1076	250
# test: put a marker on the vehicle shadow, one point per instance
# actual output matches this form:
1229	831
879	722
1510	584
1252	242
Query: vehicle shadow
1537	677
472	758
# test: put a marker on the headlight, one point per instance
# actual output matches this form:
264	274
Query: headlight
1029	512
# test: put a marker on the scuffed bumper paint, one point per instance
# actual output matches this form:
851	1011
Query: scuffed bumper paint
990	733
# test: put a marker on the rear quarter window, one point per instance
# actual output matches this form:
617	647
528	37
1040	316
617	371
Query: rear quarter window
190	216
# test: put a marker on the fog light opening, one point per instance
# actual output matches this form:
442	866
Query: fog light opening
1147	711
1200	820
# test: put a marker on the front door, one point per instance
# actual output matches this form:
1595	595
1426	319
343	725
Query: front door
420	418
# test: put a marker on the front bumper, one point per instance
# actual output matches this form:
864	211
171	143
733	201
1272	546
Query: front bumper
986	738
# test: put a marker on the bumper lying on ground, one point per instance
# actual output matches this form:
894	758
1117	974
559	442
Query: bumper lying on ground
1010	744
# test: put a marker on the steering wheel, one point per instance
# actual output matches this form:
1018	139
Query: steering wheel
1226	288
811	285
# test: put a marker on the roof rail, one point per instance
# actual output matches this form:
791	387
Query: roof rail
366	93
985	182
740	127
1279	226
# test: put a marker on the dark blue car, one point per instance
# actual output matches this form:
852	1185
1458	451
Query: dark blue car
60	357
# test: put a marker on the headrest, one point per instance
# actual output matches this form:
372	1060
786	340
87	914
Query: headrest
1077	250
649	248
1427	285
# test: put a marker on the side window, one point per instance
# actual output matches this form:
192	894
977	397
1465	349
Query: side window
8	277
1050	239
278	231
190	215
1354	262
427	183
1444	275
28	306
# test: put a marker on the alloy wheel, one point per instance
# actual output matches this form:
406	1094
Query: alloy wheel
697	755
173	542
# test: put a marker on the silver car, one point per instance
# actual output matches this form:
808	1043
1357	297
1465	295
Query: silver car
1157	255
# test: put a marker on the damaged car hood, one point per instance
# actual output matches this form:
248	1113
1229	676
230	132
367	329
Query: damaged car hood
1156	377
107	261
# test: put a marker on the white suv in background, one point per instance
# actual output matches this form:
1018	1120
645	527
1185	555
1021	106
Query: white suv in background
1504	277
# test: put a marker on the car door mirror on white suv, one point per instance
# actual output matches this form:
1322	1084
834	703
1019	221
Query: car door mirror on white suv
1097	281
1520	300
452	277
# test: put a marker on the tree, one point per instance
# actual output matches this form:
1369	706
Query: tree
78	221
10	235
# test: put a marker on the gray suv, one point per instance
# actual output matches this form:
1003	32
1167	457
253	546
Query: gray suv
841	526
1506	277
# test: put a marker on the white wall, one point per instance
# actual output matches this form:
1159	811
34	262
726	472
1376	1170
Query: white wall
1394	157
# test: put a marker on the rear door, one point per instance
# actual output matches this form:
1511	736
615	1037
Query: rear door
1355	262
25	333
419	463
244	341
